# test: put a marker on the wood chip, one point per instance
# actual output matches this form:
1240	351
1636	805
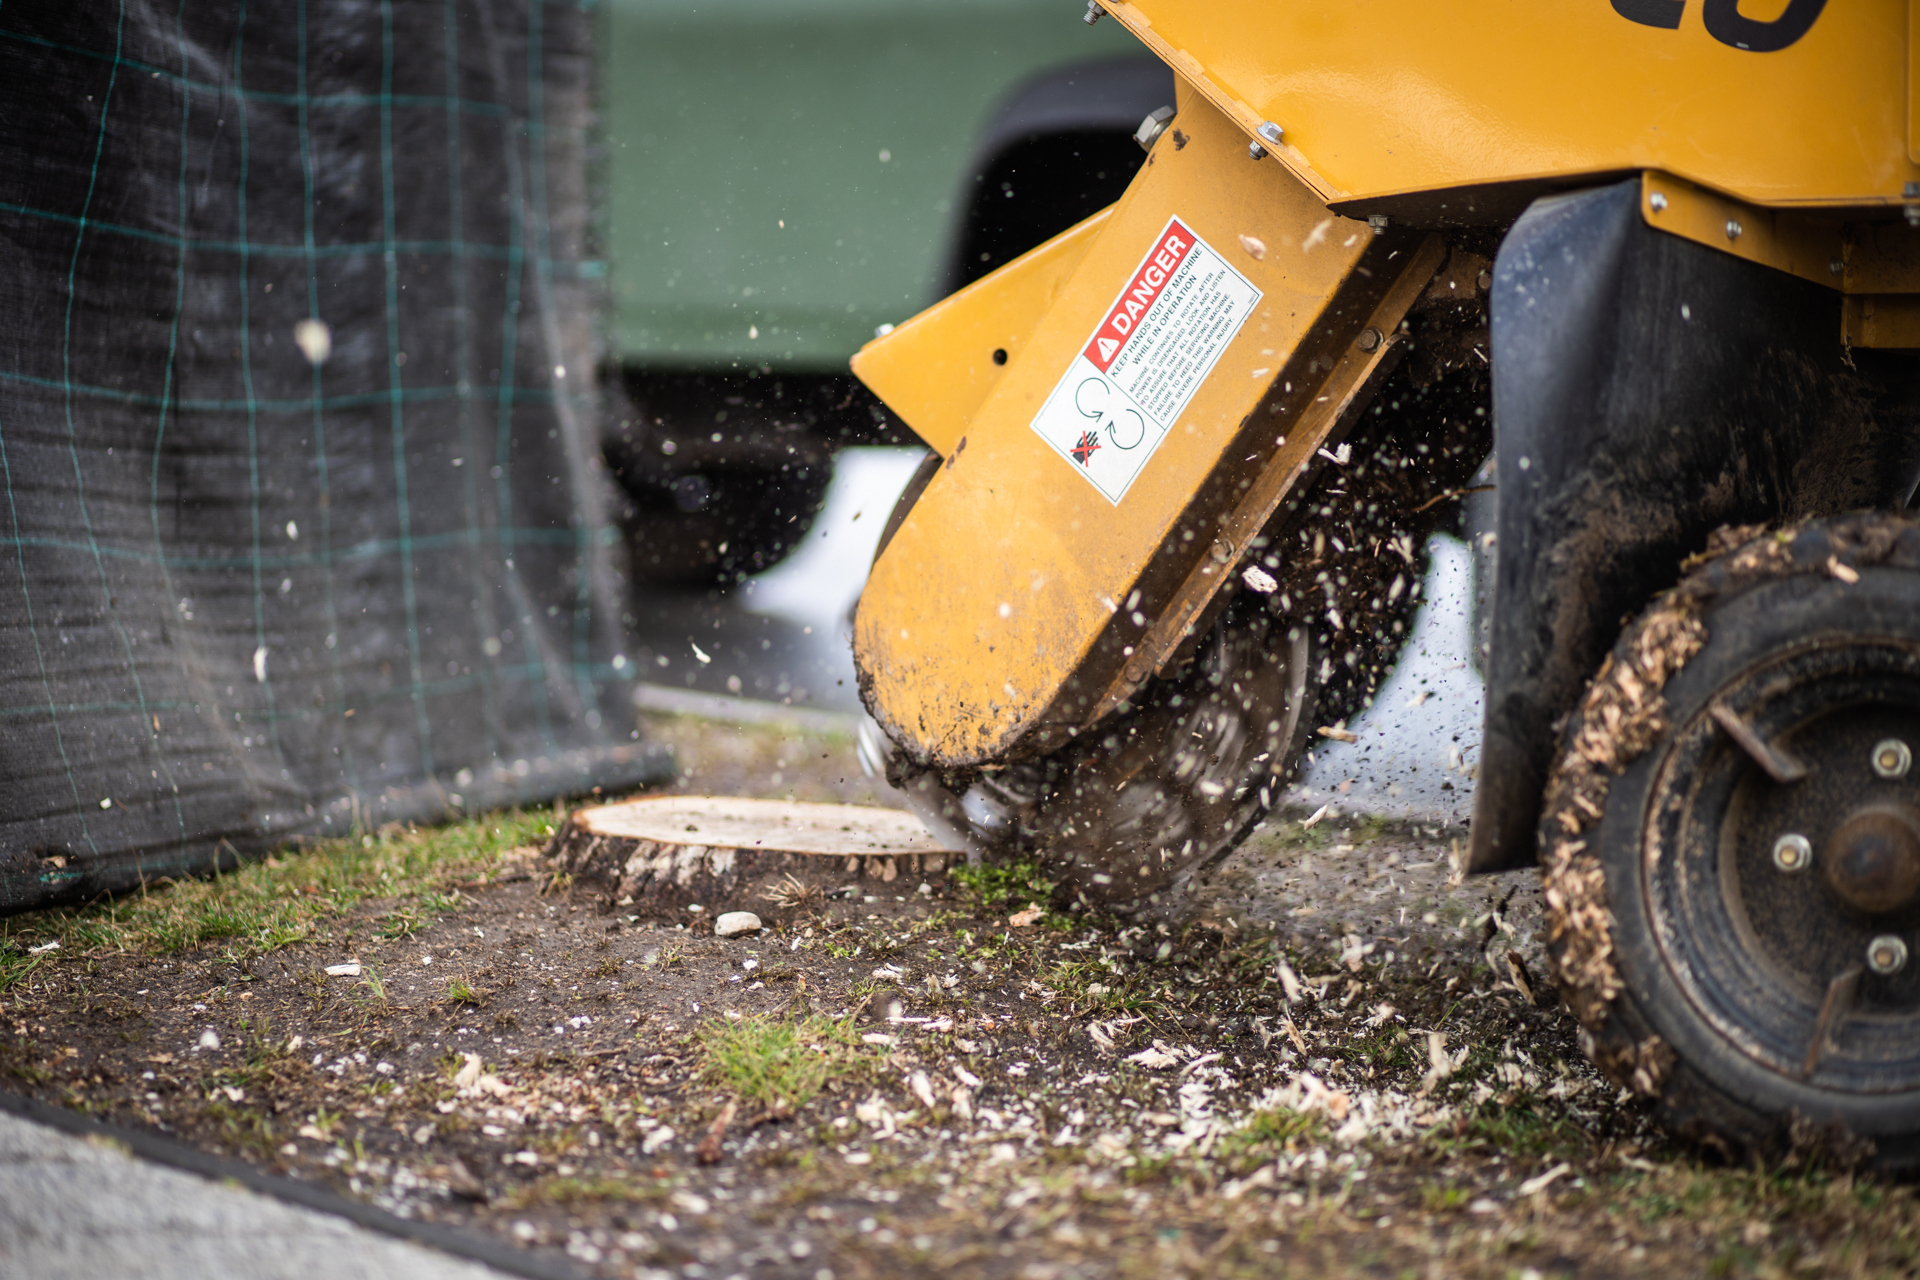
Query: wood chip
709	1152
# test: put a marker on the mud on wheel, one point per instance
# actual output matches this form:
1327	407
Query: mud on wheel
1731	846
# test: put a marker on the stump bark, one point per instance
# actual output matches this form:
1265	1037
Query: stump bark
659	855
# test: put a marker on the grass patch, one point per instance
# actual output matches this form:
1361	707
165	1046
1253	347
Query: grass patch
375	983
998	887
1789	1219
1091	984
402	923
1266	1135
1523	1126
15	964
1444	1197
267	905
781	1063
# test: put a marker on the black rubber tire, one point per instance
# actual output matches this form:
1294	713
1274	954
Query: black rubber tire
1666	1007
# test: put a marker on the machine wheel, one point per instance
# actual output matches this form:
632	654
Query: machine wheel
1731	846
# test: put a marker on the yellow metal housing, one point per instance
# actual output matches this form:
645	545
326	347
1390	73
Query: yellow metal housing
938	368
1406	97
1881	320
1799	244
1913	81
1016	601
1876	263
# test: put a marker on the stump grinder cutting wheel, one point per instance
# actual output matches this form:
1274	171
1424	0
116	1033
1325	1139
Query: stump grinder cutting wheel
1661	261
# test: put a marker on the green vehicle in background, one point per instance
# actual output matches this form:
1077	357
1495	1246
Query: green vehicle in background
782	177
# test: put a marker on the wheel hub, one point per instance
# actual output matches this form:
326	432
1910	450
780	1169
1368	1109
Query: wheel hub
1873	859
1806	974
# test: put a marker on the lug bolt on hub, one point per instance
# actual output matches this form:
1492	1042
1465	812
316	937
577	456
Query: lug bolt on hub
1891	758
1886	954
1792	853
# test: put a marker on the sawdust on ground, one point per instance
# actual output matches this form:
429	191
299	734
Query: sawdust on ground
1347	1064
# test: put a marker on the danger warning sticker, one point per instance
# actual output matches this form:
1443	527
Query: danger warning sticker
1159	340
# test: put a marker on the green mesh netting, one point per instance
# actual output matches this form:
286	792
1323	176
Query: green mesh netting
261	576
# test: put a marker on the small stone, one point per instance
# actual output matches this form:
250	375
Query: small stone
209	1040
730	923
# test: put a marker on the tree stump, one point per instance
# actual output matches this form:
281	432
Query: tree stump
660	855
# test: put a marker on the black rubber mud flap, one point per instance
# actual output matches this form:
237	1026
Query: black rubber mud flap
1647	390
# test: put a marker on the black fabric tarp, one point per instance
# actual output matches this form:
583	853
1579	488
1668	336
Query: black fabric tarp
246	595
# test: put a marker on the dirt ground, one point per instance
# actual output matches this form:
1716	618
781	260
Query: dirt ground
1347	1064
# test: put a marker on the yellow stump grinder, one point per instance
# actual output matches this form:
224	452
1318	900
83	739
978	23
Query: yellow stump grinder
1655	264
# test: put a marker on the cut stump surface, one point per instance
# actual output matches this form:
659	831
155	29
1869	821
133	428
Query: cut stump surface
661	855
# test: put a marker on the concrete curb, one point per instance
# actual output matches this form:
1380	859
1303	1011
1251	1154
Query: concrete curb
154	1147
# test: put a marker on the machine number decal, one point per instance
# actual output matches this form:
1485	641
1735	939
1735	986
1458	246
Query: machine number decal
1156	345
1726	23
